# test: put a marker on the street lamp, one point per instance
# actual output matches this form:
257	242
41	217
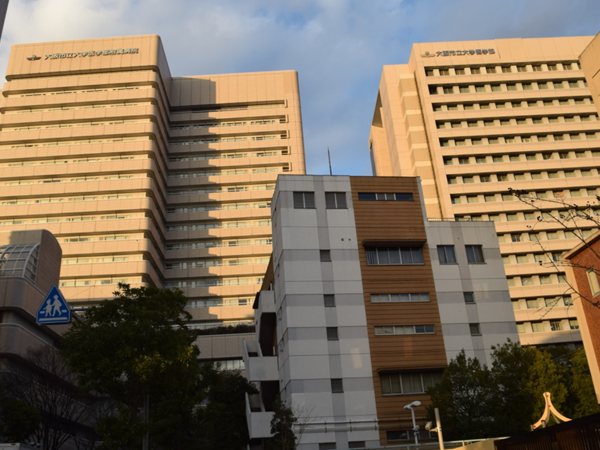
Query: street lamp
411	406
437	429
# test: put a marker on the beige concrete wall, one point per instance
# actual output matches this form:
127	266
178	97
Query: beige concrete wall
518	115
145	178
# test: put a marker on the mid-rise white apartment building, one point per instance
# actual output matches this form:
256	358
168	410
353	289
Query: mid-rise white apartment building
358	315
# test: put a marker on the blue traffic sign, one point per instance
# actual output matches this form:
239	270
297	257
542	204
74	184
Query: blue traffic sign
54	309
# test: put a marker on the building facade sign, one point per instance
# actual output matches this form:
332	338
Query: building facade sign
119	51
477	51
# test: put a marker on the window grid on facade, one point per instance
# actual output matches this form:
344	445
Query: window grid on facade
335	200
400	298
475	329
398	196
325	255
446	254
592	277
474	254
469	297
327	446
337	385
329	300
408	382
332	334
304	200
404	330
393	255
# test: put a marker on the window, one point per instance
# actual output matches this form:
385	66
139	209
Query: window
399	298
537	327
325	255
532	303
573	324
408	382
329	300
404	329
474	254
337	385
469	297
555	325
332	334
327	446
304	200
357	444
335	200
446	254
474	329
393	255
399	196
592	277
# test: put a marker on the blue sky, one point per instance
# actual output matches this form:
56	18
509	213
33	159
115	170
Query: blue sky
337	46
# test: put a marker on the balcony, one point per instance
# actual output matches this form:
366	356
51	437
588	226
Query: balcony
259	368
257	418
265	321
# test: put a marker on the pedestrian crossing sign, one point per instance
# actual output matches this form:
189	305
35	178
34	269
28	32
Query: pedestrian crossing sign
54	309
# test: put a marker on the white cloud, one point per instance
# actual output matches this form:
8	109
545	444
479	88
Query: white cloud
337	46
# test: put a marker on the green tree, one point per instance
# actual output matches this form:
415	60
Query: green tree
463	398
520	377
282	427
512	404
18	420
222	421
476	402
134	346
582	399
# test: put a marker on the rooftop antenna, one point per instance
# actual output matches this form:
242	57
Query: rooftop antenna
329	157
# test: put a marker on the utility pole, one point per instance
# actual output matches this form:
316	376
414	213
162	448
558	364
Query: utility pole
438	425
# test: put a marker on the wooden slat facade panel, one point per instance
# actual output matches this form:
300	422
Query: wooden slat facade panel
397	223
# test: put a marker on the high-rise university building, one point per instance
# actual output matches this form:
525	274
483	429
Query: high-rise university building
473	119
146	178
590	63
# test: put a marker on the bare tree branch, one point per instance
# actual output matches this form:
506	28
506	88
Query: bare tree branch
46	383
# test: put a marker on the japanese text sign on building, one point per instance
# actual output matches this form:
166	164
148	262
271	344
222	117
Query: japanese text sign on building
477	51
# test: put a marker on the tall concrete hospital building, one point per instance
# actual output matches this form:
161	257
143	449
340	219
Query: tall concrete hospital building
144	177
473	119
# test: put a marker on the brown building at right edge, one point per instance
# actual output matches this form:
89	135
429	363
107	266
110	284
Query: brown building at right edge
582	272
